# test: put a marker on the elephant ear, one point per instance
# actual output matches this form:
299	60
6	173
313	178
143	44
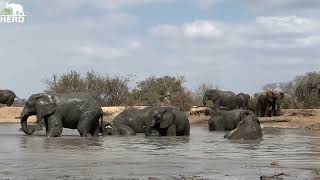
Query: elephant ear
167	118
45	105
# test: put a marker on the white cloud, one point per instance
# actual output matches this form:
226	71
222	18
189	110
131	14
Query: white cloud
200	29
287	24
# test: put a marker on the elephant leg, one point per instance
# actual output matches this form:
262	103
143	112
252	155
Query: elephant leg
95	129
172	130
54	126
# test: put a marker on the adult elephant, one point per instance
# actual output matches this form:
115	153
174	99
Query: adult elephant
165	120
221	99
268	104
7	97
227	120
242	101
247	129
70	110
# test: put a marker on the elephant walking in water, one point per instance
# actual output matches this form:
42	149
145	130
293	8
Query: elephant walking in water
7	97
71	110
165	120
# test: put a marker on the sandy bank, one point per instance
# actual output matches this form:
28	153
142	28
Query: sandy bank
291	118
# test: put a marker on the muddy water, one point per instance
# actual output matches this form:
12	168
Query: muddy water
202	155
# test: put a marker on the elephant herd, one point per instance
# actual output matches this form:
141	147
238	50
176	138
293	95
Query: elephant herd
80	111
266	104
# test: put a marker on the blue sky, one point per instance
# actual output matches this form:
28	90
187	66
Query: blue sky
239	45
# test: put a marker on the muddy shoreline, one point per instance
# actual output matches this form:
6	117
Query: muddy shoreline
290	118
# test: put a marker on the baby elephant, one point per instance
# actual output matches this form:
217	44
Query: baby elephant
165	120
248	129
227	120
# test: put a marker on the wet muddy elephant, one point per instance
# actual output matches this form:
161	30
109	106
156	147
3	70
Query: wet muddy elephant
165	120
247	129
71	110
227	120
7	97
242	101
268	104
221	99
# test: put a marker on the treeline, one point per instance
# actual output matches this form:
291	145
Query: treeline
302	92
124	91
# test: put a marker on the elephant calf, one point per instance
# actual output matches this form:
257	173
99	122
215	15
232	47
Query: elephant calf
248	129
227	120
165	120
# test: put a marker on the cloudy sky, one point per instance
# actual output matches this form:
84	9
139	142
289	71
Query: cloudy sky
239	45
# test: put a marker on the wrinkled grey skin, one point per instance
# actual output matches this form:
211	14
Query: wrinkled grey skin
221	99
242	101
7	97
172	122
57	111
248	129
165	120
265	104
227	120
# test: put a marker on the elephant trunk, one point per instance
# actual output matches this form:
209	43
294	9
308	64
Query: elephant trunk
24	126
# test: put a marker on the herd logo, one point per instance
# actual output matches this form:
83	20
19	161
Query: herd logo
11	13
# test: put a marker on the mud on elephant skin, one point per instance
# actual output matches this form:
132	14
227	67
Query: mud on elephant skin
221	99
165	120
57	111
7	97
248	129
227	120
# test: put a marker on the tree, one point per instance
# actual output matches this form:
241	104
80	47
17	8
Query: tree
109	91
307	90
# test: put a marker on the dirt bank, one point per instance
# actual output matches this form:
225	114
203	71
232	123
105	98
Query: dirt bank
9	114
291	118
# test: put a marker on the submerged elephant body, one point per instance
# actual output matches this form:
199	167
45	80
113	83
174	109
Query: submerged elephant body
7	97
163	119
221	99
248	129
57	111
226	120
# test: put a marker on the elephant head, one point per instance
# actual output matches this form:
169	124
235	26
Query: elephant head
210	94
37	104
164	118
161	119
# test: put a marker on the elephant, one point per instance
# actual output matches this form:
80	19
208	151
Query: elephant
247	129
268	104
227	120
220	99
63	110
242	101
7	97
165	120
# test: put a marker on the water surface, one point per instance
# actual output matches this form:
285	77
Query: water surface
202	155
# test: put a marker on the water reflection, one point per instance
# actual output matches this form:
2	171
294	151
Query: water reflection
205	154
